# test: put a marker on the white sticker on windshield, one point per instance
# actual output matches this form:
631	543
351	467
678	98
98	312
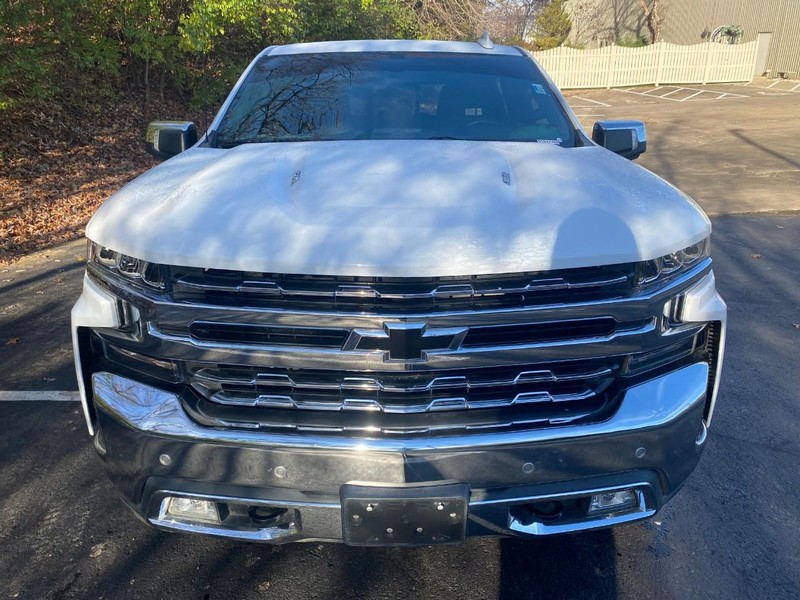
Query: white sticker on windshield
555	141
539	89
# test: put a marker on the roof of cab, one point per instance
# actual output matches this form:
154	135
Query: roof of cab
389	46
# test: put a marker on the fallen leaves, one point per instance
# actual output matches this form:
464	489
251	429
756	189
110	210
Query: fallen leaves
57	171
12	341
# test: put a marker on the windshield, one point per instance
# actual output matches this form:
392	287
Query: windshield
394	95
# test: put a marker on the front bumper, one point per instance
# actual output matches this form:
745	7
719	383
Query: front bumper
153	450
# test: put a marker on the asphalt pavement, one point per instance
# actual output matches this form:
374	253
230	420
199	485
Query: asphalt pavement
732	532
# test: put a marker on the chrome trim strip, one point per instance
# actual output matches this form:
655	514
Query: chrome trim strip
454	291
702	303
649	405
538	528
204	377
374	405
622	342
268	534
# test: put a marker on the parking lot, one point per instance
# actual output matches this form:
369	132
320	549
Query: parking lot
732	532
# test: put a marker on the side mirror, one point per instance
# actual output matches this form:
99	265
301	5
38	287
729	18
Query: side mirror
626	138
165	139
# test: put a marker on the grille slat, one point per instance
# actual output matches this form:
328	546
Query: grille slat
368	404
404	403
399	295
397	424
474	337
251	333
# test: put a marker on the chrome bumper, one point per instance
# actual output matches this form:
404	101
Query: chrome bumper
152	449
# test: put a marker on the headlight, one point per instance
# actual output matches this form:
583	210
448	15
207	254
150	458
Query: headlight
139	271
664	267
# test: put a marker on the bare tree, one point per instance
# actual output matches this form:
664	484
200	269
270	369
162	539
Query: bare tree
587	20
512	20
653	16
453	19
506	20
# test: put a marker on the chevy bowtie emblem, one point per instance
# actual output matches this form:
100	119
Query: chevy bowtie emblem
406	341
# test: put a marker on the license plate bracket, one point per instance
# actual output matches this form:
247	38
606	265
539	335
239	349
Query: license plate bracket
404	516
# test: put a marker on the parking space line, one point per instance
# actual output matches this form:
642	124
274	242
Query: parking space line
593	101
795	87
716	94
693	95
776	82
27	396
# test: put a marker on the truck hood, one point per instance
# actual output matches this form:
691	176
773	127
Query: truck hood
405	208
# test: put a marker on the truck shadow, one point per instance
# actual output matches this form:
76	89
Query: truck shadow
570	566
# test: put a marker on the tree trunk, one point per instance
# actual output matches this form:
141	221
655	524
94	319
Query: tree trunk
652	17
147	80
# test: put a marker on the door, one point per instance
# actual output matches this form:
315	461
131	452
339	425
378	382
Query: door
764	39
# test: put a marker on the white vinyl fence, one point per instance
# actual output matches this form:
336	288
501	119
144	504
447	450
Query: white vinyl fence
659	64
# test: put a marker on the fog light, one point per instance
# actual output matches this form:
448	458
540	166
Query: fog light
190	510
612	502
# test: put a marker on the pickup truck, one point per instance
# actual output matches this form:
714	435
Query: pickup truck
395	295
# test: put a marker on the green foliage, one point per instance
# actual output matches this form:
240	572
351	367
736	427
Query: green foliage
57	48
355	19
552	26
261	22
732	34
632	42
81	53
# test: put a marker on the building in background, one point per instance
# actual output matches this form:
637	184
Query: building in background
775	22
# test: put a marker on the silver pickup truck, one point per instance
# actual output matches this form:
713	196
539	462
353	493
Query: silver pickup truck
395	295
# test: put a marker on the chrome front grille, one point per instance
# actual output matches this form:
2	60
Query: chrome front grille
320	293
501	357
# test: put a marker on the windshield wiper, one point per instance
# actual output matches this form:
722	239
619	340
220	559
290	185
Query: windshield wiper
234	143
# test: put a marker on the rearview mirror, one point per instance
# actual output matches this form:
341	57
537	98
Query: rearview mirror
165	139
626	138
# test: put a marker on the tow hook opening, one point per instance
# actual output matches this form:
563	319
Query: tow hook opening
546	511
265	516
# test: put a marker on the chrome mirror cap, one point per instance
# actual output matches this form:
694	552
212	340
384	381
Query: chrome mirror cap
165	139
626	138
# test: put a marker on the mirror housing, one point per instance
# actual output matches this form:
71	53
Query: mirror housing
165	139
626	138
